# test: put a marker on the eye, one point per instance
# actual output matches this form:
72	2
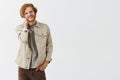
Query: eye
26	13
31	11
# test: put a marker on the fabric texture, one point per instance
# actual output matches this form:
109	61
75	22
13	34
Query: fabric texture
43	42
32	45
31	74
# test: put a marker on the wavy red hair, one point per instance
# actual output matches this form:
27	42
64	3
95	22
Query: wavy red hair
22	10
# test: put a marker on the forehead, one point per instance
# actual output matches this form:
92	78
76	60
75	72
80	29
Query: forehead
28	9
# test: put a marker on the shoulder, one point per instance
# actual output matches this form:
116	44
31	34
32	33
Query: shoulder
43	25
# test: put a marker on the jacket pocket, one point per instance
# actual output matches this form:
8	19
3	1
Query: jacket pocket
42	34
41	37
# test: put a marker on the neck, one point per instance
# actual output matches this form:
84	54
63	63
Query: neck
32	23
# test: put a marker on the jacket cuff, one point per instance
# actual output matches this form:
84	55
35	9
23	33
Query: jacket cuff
25	30
49	60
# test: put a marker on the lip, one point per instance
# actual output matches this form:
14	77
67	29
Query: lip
30	16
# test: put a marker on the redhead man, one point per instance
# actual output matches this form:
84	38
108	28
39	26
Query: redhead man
35	48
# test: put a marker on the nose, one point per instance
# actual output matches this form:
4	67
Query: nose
29	14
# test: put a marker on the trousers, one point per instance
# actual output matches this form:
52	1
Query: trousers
30	74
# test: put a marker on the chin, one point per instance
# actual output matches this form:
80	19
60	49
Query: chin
31	20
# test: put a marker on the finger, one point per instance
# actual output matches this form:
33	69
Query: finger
36	69
42	69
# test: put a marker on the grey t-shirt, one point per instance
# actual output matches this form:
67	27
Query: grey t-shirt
32	45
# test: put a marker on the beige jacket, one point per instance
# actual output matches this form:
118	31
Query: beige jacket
43	43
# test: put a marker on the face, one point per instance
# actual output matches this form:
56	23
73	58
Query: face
30	15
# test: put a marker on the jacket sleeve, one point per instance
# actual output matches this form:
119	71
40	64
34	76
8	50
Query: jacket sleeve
49	47
22	34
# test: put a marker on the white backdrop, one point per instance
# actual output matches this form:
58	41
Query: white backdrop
85	34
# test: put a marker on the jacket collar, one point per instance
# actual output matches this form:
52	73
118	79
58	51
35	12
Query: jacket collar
37	24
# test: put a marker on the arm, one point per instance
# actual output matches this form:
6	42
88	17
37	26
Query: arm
49	48
22	34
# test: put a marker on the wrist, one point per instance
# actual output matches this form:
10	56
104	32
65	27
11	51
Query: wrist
46	62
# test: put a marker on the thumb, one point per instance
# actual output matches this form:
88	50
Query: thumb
37	69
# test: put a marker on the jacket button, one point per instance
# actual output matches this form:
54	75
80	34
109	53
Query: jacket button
25	30
28	58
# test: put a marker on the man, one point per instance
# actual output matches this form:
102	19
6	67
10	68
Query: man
35	48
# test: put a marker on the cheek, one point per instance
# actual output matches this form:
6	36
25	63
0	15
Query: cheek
25	16
34	15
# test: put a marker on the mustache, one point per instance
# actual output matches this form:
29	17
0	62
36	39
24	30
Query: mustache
31	16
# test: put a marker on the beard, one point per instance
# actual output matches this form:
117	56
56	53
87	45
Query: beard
29	20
